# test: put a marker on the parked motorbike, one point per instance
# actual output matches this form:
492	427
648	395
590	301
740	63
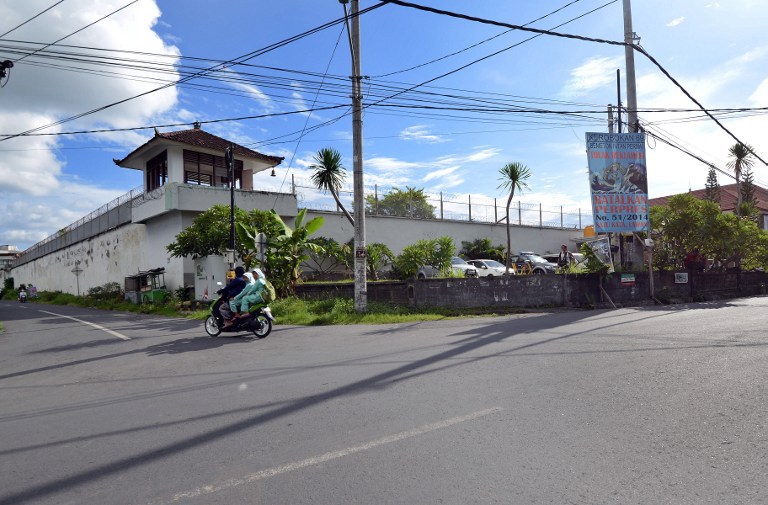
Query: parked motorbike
22	296
258	321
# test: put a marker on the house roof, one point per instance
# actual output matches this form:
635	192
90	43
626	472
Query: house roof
728	198
198	137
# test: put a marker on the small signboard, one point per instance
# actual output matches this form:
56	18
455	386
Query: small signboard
627	279
681	277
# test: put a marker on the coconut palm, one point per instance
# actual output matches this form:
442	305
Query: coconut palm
513	177
329	175
742	158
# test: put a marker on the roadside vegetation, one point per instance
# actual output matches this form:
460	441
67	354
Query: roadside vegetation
288	311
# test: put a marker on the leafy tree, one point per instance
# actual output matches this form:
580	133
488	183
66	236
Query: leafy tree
742	158
481	248
377	256
434	252
712	187
285	250
687	223
513	176
208	235
329	175
409	203
327	257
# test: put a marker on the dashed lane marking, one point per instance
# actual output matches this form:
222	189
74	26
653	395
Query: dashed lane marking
328	456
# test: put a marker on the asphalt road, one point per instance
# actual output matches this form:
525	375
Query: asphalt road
629	406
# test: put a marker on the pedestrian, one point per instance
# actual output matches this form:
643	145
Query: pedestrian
565	257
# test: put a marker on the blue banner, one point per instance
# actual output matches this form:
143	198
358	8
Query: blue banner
618	181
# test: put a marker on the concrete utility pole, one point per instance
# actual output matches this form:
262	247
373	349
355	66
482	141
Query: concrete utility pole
629	56
361	293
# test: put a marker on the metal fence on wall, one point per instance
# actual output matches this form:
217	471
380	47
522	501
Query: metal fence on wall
454	207
107	217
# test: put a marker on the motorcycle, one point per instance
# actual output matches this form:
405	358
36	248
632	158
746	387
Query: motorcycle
23	296
258	320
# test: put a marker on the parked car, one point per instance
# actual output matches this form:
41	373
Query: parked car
489	268
528	262
578	259
458	265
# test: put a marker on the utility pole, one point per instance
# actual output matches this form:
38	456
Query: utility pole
629	56
361	293
229	158
610	118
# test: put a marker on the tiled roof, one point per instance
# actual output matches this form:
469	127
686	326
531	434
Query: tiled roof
728	198
200	138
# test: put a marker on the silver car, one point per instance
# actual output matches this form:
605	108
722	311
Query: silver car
490	268
458	265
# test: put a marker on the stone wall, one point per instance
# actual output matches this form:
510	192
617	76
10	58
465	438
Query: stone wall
531	291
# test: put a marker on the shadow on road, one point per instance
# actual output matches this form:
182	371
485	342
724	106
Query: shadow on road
481	335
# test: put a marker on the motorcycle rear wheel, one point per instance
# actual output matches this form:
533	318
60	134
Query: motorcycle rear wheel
212	327
263	328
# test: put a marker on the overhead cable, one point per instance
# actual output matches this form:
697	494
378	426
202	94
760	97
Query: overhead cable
575	37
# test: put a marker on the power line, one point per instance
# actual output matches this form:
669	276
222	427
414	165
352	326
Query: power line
576	37
477	44
31	19
81	29
215	68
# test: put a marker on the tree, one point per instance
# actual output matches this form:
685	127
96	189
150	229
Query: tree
409	203
748	199
327	258
329	175
742	158
513	176
687	223
286	250
481	248
436	252
209	233
712	187
377	255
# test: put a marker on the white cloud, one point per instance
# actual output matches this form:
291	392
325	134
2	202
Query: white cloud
676	21
38	196
595	73
421	133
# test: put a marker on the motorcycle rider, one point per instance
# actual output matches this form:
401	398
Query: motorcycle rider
249	296
22	293
230	291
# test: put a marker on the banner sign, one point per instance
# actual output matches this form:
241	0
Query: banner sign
602	250
618	181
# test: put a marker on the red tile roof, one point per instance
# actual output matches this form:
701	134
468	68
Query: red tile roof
199	138
728	198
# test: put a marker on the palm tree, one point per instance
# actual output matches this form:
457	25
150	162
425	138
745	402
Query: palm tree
742	158
329	175
512	177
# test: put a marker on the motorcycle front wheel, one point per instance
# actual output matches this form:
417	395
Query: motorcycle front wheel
212	326
261	326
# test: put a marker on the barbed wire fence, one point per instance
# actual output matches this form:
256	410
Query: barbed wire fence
448	206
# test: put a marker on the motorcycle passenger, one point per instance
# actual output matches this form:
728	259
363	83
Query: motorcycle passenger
249	296
230	291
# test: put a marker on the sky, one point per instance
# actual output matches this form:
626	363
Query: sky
448	101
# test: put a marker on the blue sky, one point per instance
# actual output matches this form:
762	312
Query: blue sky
425	138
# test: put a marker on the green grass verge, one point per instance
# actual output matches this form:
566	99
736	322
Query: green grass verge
293	311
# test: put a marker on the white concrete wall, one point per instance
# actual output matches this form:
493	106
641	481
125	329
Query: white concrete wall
108	257
399	232
134	247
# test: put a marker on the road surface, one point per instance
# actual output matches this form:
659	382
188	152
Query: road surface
628	406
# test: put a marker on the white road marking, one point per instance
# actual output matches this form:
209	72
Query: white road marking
98	327
290	467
